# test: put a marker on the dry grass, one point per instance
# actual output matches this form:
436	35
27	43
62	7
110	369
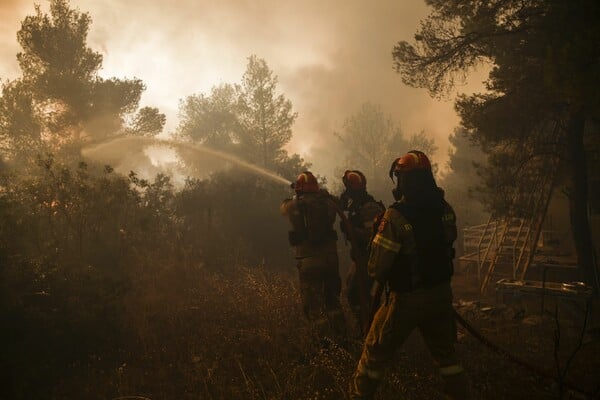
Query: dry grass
209	335
194	333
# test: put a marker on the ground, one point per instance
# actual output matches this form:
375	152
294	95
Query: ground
241	335
541	339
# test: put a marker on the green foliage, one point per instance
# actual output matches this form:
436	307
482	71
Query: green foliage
148	121
539	80
249	119
60	100
72	244
541	96
211	120
237	216
97	268
265	116
55	50
231	207
20	127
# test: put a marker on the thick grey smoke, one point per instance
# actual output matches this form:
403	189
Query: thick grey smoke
330	56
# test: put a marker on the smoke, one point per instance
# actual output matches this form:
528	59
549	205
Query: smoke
129	154
11	14
330	57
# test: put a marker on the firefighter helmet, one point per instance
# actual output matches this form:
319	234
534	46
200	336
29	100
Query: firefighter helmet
413	160
306	183
354	180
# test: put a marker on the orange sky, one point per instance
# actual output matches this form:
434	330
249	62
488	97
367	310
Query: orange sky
330	57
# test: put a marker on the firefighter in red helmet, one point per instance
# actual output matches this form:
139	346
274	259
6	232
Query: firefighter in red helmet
362	209
312	214
411	256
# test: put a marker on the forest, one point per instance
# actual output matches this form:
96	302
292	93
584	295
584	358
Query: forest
124	279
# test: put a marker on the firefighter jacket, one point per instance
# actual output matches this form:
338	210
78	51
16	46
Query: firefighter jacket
413	246
312	216
362	213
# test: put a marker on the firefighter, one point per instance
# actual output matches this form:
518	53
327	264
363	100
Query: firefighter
411	255
362	211
312	213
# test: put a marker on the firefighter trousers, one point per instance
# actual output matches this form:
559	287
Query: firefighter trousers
428	309
320	288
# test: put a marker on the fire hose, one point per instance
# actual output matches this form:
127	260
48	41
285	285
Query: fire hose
517	360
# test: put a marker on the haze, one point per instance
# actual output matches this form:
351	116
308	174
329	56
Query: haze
330	57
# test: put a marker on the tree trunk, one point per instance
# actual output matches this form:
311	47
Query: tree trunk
578	200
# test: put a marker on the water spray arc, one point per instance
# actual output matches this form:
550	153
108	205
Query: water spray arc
97	150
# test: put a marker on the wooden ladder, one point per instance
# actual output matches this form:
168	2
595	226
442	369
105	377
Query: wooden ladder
523	244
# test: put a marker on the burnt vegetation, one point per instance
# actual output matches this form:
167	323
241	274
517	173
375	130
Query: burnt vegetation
114	284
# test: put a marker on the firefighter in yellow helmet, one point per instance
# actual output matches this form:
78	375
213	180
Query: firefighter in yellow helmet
411	255
362	209
312	214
